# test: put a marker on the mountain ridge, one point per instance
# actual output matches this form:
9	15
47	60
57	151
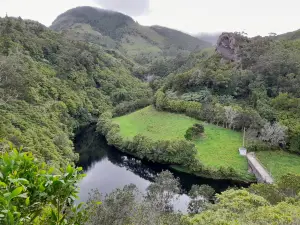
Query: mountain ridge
119	31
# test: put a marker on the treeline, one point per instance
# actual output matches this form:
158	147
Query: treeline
51	86
258	204
233	117
180	153
31	193
257	93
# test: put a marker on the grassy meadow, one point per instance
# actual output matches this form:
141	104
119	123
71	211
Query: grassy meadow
279	163
218	147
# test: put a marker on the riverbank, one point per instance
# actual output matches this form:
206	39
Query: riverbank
96	156
218	148
159	137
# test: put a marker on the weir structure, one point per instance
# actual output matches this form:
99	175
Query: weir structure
261	174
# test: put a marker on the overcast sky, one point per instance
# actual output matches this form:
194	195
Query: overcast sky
255	17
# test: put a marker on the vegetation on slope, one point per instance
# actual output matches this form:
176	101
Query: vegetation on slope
279	163
49	86
217	148
289	36
118	31
257	92
32	194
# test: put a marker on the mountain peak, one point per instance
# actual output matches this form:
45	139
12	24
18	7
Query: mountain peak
104	21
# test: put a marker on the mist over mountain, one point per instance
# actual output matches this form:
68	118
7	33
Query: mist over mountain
159	95
119	31
209	37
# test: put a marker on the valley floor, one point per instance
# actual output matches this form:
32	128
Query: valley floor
279	163
217	148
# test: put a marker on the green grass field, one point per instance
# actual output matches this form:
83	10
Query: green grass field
218	147
279	163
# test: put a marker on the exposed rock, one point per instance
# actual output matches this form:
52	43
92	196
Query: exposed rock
228	46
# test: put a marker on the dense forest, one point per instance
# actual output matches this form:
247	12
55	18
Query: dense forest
50	86
120	32
258	91
54	82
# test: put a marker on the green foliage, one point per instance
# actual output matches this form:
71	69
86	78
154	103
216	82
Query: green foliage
261	87
162	191
167	127
195	131
29	189
128	206
128	107
279	163
175	152
50	86
290	35
258	204
286	187
200	197
118	31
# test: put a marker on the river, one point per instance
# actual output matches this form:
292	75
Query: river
107	168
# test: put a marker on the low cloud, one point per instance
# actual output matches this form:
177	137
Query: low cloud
129	7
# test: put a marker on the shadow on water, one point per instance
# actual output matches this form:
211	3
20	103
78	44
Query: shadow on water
112	168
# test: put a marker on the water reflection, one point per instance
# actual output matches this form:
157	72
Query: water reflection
108	169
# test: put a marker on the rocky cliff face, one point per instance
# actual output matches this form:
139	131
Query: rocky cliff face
229	45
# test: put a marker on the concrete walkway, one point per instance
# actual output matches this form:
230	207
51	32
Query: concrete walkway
259	171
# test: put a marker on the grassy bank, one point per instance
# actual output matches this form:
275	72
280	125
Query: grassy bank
217	148
279	163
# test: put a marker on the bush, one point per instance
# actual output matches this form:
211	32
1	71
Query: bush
194	131
179	152
28	190
128	107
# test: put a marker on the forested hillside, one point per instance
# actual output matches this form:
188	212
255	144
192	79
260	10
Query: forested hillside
290	35
49	86
118	31
256	89
54	82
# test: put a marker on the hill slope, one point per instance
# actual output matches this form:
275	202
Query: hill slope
290	35
49	86
118	31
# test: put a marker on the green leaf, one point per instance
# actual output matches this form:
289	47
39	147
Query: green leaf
11	218
16	192
2	184
27	201
6	194
69	169
51	169
42	188
1	175
80	205
23	181
53	216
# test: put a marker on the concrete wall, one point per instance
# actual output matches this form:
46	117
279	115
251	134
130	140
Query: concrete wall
258	170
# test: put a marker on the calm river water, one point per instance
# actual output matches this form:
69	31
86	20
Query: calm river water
107	168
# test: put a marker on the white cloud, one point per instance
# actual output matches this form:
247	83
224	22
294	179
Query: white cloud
193	16
43	11
129	7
